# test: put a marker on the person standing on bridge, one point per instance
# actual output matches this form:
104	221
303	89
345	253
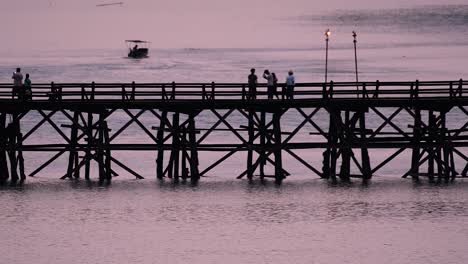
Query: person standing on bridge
17	82
270	83
252	84
275	86
27	88
290	83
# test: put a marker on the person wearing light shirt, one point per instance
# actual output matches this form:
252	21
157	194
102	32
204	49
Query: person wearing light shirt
17	82
290	83
270	83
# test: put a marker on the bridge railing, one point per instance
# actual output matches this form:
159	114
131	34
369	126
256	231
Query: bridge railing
233	91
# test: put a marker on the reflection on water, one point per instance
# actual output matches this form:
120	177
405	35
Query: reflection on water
233	222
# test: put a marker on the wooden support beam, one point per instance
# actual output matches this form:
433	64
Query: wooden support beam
366	166
277	136
194	173
445	149
306	164
4	172
183	151
262	131
465	171
219	161
160	136
124	127
308	118
100	150
430	151
123	166
12	130
175	145
332	141
387	160
345	146
90	139
414	171
73	156
251	132
386	122
213	127
20	154
47	163
108	154
403	133
39	124
147	132
52	123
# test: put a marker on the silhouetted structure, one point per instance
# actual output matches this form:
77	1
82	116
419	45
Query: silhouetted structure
177	139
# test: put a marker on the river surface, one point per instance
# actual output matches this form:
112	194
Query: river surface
224	220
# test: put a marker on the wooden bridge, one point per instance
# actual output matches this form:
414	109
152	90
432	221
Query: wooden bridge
178	140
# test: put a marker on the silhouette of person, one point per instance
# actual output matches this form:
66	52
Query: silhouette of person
252	80
270	83
290	83
17	82
27	87
275	86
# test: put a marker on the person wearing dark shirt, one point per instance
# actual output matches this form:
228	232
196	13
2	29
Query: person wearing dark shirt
252	84
27	88
274	89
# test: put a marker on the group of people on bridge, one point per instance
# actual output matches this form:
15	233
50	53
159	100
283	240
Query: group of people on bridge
20	88
24	92
272	85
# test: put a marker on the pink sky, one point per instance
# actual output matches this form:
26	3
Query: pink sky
59	24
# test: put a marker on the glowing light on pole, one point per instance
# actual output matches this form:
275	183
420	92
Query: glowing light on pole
327	36
355	60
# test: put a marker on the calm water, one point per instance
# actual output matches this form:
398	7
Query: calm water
234	222
231	221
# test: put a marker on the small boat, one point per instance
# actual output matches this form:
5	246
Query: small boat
137	48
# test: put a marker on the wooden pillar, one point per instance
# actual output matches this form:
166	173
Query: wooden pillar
72	159
277	136
183	151
366	167
416	145
263	132
4	172
250	168
160	136
100	149
175	146
89	134
452	165
16	140
332	143
446	148
194	172
12	152
431	150
326	162
108	153
20	153
345	147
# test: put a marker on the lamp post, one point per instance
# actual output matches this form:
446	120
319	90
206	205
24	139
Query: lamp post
327	36
355	61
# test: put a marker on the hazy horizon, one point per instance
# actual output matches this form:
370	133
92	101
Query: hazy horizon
68	24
